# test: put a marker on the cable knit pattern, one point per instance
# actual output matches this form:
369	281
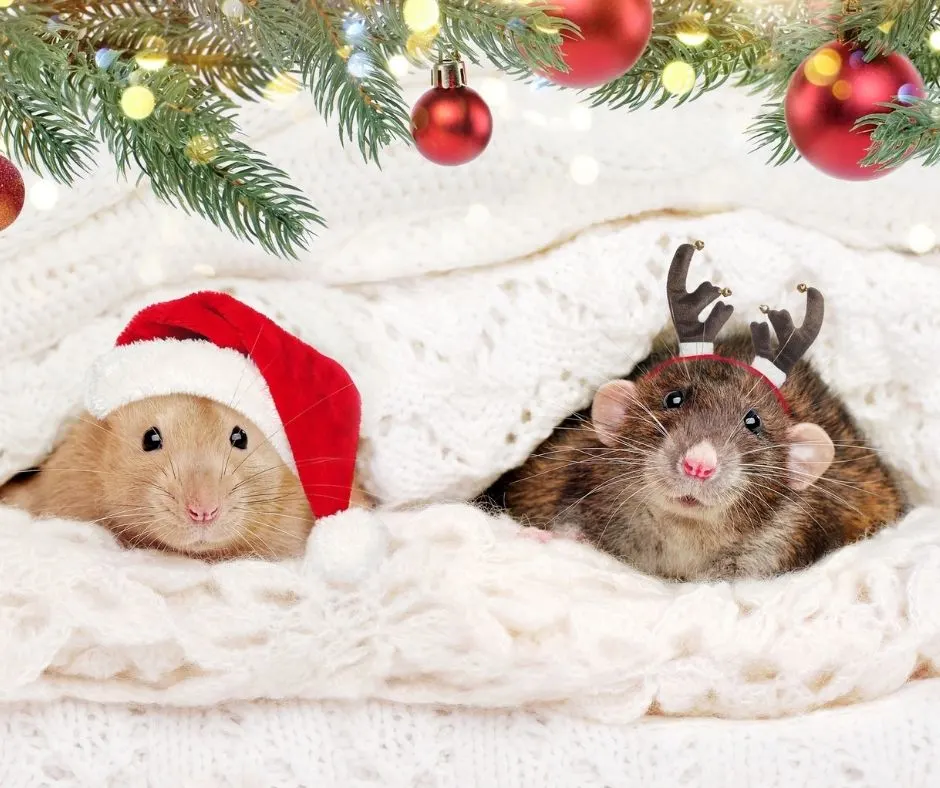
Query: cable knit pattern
470	339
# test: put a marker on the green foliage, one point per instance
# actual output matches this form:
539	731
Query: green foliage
58	106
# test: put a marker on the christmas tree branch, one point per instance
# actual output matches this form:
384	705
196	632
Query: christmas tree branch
905	131
70	63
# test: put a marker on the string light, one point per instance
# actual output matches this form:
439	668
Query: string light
692	30
281	88
153	56
678	77
354	27
934	40
921	239
105	57
399	65
359	65
420	15
6	3
201	149
233	9
138	102
581	118
584	170
43	195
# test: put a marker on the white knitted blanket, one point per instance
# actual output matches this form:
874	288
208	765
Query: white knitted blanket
475	308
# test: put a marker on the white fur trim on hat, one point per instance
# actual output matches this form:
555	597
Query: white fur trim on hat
157	367
769	370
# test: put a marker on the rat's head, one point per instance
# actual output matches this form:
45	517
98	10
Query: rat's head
702	434
702	438
192	475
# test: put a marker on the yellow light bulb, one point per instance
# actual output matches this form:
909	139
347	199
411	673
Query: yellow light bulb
934	40
692	30
885	27
138	102
420	15
678	77
202	148
152	56
282	87
6	3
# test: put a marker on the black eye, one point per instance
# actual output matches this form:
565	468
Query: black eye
752	421
673	399
238	438
153	440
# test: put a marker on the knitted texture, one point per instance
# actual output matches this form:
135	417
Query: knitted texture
890	742
466	356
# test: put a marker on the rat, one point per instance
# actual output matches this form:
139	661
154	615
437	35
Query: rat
175	472
708	462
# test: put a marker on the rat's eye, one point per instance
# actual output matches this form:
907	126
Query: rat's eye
153	440
752	421
238	438
673	399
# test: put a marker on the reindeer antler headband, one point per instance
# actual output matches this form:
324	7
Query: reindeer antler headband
697	337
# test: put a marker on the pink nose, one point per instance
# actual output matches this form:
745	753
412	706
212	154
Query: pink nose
199	513
697	470
701	461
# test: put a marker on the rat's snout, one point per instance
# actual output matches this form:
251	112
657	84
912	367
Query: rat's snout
202	511
202	499
700	461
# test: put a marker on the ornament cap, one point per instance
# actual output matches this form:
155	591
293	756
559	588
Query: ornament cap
449	72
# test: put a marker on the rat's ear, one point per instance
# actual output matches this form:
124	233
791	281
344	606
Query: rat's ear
811	453
609	410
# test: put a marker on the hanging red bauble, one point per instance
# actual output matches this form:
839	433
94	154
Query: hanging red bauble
830	92
12	193
614	33
450	123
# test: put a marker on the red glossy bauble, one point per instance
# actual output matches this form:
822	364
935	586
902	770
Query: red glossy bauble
614	33
12	193
451	125
834	88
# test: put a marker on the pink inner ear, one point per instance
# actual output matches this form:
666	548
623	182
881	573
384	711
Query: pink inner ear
811	453
609	409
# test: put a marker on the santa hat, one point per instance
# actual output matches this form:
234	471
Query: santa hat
212	345
697	337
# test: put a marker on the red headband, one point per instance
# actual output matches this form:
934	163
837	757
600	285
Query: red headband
725	360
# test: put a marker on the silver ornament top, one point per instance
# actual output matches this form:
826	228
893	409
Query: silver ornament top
449	72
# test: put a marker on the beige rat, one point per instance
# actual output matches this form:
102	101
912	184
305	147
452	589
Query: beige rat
174	472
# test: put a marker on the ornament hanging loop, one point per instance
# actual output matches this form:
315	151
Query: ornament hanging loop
449	72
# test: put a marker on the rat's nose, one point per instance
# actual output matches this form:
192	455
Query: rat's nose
202	513
700	461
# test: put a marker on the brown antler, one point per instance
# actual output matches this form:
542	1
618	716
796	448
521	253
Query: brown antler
792	343
695	335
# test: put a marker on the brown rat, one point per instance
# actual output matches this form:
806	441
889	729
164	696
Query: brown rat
175	472
696	470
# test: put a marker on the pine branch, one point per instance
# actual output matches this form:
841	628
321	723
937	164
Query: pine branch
770	130
905	131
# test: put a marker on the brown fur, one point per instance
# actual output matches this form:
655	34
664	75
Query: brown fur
100	473
573	480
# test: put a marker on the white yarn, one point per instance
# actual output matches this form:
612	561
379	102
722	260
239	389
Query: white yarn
462	375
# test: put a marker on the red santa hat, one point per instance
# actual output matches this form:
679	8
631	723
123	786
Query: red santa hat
212	345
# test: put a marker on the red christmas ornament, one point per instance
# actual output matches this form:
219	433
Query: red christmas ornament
614	33
450	123
832	90
12	193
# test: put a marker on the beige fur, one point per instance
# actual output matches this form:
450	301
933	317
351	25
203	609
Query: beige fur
100	472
